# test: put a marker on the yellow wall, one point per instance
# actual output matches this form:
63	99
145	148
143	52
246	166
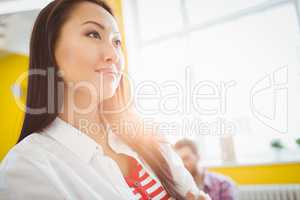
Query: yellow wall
11	117
263	174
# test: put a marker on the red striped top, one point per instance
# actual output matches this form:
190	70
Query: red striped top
143	185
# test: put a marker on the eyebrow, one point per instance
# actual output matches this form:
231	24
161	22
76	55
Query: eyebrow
96	23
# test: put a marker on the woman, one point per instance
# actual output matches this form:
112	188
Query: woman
77	93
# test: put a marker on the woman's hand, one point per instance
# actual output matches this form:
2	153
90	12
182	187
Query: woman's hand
202	196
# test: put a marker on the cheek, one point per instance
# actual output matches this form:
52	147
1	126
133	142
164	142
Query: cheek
76	60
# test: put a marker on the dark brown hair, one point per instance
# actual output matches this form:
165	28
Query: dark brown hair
43	91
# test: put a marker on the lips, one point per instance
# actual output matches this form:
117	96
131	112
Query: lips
109	71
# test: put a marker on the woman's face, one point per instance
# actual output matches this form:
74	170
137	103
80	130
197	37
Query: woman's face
88	51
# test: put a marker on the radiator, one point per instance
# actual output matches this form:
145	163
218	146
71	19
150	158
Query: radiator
269	192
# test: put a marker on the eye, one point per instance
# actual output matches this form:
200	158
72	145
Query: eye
118	43
94	34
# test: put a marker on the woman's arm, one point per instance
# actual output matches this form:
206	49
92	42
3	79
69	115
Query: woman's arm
186	184
185	181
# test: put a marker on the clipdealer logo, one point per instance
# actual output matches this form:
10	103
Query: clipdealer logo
273	89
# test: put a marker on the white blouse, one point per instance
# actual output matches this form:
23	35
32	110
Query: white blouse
64	163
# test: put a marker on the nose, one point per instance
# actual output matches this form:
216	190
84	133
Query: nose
111	56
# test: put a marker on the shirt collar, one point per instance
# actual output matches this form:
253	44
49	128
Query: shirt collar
81	144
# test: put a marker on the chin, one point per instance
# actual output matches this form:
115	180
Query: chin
109	92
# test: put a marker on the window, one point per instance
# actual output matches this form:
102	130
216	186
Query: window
152	25
226	74
201	12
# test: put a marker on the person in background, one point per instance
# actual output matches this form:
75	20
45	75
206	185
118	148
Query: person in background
218	187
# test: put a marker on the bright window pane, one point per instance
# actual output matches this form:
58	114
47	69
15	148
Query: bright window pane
163	61
257	53
201	11
159	17
260	53
158	64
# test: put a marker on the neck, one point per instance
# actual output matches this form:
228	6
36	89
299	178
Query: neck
82	112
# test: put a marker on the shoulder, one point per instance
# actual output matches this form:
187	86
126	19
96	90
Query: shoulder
32	148
27	164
